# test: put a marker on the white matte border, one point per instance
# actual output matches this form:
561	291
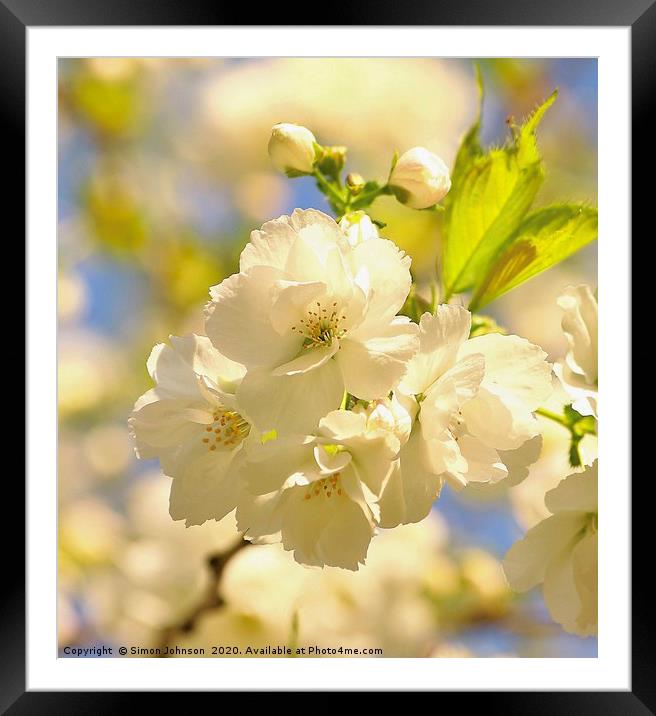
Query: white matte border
611	669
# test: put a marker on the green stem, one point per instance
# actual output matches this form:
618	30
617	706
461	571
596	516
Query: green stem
344	400
365	200
578	428
433	303
561	419
330	190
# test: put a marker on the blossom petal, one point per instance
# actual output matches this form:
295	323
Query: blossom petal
514	368
445	397
290	301
562	596
271	245
202	416
278	464
584	398
238	320
372	451
585	562
372	459
207	490
259	517
173	375
315	257
373	368
502	423
162	424
309	359
518	461
444	458
360	494
580	321
291	404
392	503
330	463
438	409
150	396
412	486
526	562
174	460
440	337
466	376
577	493
483	462
203	358
389	280
311	219
340	425
326	531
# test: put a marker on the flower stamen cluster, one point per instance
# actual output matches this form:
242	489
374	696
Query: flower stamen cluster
320	327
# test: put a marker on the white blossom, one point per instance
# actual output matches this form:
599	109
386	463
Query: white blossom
291	148
561	554
310	317
469	401
420	178
191	421
358	227
317	493
578	372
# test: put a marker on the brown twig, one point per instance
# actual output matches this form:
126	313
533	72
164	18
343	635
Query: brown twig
212	599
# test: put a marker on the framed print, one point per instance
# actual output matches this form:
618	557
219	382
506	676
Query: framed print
328	355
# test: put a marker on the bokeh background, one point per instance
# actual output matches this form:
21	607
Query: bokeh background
163	172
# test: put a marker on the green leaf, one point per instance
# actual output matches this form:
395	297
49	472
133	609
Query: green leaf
579	424
395	159
527	141
470	147
490	195
482	325
545	238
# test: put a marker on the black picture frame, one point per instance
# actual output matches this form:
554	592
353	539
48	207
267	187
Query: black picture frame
17	15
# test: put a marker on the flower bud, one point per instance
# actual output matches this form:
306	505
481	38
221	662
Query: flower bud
358	227
355	182
420	179
390	415
332	160
291	148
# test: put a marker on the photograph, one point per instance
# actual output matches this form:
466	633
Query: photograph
327	376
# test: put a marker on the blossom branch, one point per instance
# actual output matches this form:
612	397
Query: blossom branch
212	598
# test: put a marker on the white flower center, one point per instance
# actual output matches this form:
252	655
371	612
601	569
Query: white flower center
227	431
324	488
321	324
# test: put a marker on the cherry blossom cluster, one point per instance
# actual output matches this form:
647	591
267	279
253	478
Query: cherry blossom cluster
318	412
